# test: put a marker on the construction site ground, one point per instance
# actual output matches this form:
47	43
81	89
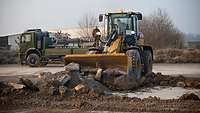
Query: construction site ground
148	98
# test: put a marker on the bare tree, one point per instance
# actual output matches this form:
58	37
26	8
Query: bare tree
160	31
86	24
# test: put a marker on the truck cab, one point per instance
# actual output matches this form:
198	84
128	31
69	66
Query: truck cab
37	48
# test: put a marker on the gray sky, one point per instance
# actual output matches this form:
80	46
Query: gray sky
19	15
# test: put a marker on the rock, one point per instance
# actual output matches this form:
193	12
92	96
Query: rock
98	74
122	83
81	89
17	86
180	84
28	83
113	72
190	96
64	79
63	90
44	75
95	85
53	91
75	79
72	67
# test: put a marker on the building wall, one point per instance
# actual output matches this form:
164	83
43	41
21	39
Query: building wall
4	42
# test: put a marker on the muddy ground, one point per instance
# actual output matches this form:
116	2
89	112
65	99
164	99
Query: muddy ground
74	91
31	103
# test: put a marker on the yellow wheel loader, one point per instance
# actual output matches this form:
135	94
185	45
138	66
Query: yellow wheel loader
124	47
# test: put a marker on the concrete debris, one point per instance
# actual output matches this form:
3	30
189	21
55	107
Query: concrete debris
75	79
72	67
16	86
28	83
70	82
94	85
116	72
98	74
64	79
44	75
116	79
123	83
81	89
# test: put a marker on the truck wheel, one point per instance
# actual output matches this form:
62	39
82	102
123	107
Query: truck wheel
134	67
33	60
148	61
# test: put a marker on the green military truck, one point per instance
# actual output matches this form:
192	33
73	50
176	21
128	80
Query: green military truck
36	48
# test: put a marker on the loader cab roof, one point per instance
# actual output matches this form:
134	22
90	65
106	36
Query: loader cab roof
126	14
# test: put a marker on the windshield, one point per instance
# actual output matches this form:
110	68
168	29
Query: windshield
120	23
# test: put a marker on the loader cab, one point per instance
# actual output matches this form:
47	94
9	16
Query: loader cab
125	24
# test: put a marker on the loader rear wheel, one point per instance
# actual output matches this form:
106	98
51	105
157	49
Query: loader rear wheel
148	61
33	60
134	67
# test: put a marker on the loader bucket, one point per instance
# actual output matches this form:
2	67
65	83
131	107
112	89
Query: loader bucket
99	60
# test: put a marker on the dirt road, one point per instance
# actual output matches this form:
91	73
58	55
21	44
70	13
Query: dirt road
188	70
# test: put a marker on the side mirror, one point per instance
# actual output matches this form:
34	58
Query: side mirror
100	18
139	16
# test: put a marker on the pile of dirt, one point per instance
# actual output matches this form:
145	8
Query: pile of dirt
115	79
190	96
158	79
177	56
8	57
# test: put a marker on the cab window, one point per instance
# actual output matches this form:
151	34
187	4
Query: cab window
26	38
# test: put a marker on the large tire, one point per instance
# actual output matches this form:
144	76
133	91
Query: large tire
148	62
33	60
134	67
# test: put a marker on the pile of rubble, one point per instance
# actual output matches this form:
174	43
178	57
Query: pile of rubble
73	81
153	79
68	82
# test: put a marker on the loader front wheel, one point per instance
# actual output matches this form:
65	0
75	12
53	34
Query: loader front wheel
134	68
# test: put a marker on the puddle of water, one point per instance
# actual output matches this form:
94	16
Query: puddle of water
161	92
